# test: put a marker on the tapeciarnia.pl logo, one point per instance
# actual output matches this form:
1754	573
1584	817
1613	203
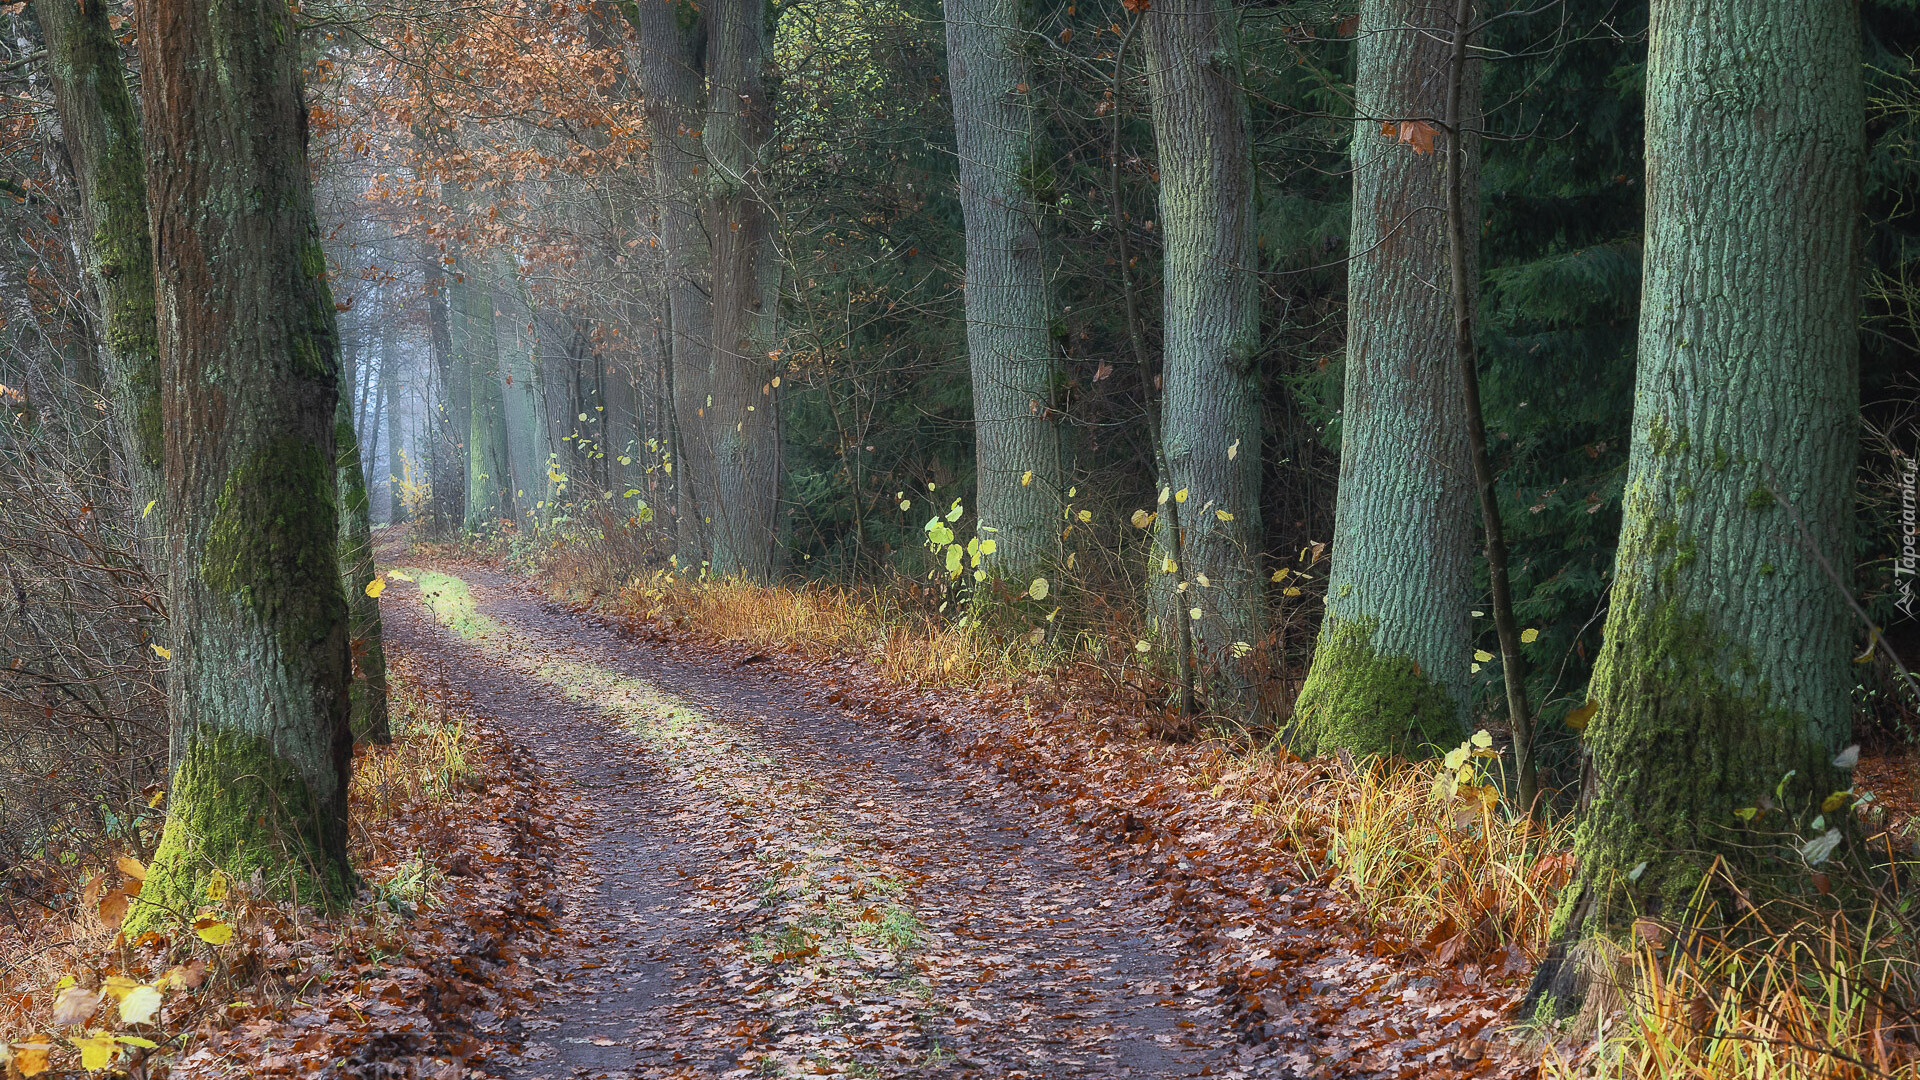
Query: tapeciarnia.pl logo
1907	561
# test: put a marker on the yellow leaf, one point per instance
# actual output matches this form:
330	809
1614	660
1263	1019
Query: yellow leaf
159	796
1086	516
151	503
398	576
988	547
212	931
1168	566
1482	655
31	1058
1234	450
1141	519
1141	646
162	652
1529	635
1291	590
376	587
131	867
1180	496
1577	719
217	886
1194	612
1835	801
1223	515
96	1053
1281	574
118	987
1038	590
1026	478
139	1005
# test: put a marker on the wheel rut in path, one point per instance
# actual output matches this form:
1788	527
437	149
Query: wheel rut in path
762	885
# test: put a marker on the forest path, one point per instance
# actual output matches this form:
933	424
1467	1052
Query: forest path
759	884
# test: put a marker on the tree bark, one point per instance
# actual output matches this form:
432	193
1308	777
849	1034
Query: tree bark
102	129
742	423
1009	345
1723	684
1210	419
672	78
1390	673
250	369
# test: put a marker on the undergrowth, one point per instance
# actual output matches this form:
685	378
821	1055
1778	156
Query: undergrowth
1428	852
79	996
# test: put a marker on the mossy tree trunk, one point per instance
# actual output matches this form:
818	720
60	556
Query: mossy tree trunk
1390	673
1210	406
102	129
1009	346
369	692
672	70
249	394
742	423
489	468
1725	669
524	405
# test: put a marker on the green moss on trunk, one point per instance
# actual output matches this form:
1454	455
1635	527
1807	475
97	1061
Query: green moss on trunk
238	806
1367	703
270	546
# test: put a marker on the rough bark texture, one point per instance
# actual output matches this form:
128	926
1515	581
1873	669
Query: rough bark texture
1725	668
1210	413
672	52
369	691
1390	675
102	129
1009	347
250	368
742	423
489	469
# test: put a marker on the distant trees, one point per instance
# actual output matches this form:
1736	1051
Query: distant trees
1723	688
259	694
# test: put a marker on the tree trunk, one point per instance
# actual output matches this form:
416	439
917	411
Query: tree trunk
1210	426
489	471
742	424
1725	670
369	692
448	418
1009	346
1390	673
102	130
396	458
672	79
250	368
525	414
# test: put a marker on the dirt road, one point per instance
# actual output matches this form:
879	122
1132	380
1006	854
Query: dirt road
758	883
